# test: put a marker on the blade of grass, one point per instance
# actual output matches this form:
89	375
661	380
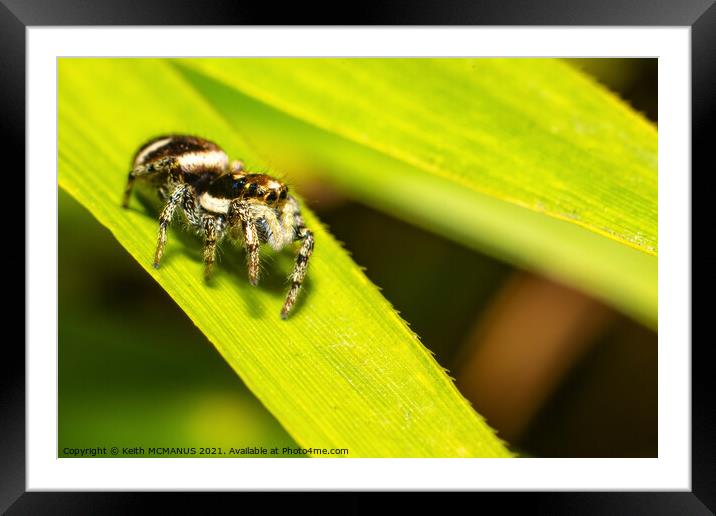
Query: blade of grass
344	371
483	168
534	132
141	384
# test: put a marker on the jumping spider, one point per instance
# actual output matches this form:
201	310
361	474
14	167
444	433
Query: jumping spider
219	198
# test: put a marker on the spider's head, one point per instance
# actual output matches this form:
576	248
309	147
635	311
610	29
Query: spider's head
249	186
264	188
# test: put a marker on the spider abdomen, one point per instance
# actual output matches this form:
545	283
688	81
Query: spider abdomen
198	161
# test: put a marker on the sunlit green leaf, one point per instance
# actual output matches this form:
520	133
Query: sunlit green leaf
344	371
527	159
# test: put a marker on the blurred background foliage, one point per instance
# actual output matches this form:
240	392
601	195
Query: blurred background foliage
556	372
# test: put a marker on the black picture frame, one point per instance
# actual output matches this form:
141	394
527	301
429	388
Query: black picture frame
700	15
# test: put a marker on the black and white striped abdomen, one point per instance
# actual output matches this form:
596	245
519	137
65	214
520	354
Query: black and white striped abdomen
195	156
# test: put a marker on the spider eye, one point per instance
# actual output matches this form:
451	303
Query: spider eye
237	184
284	194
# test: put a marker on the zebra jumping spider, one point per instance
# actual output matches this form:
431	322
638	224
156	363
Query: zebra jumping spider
220	198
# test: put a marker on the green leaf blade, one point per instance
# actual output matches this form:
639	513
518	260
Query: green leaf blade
344	371
515	129
537	164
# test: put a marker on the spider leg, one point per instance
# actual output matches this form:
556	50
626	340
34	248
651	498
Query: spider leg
165	219
128	189
236	166
274	231
166	164
240	215
299	270
210	239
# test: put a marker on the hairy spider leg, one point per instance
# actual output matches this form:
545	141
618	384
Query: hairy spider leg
161	165
276	233
299	270
236	166
240	214
210	239
165	219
